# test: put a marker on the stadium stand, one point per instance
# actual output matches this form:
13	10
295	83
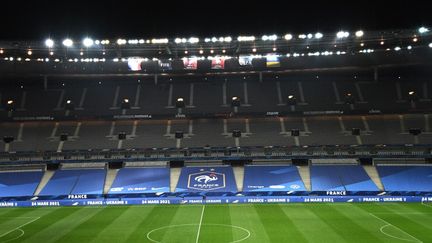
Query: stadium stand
141	180
406	177
19	184
75	181
340	178
272	178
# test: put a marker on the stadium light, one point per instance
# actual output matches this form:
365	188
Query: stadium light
309	36
342	34
49	43
318	35
302	36
193	40
246	38
288	37
359	33
430	45
88	42
423	29
67	42
121	42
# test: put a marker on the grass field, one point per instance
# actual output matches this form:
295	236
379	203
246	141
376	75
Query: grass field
390	222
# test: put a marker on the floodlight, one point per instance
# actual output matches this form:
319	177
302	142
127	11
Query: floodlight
288	37
318	35
67	42
342	34
359	33
423	29
88	42
49	43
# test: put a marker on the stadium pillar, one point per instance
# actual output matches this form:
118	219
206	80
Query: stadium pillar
45	82
375	73
260	77
156	79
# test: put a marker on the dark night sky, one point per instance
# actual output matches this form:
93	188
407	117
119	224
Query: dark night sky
38	19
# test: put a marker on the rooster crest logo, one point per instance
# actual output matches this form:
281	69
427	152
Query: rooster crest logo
206	178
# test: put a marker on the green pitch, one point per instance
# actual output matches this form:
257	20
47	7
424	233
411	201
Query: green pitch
391	222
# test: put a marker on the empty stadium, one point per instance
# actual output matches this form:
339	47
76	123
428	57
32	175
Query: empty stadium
274	136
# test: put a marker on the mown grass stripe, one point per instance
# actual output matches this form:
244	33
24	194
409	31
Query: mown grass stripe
51	227
343	225
278	227
92	226
123	226
158	216
217	215
309	224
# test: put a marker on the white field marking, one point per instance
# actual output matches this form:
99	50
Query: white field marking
392	236
19	236
186	225
200	223
426	205
29	222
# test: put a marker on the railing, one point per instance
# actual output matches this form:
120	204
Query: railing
220	153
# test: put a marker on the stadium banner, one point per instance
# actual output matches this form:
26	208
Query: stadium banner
134	63
245	60
215	200
217	62
190	63
272	60
206	179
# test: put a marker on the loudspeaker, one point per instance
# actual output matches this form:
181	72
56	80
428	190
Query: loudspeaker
295	132
122	136
64	137
355	131
236	133
8	139
415	131
178	135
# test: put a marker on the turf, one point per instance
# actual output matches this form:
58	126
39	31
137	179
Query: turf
389	222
